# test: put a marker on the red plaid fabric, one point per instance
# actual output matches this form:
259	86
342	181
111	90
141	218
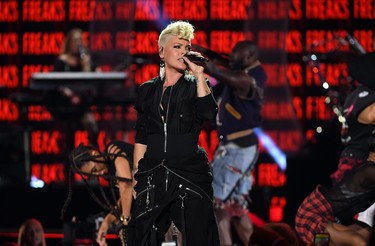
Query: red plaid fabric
313	216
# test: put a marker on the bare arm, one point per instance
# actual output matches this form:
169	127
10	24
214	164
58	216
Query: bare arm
367	116
348	235
139	152
103	229
238	79
126	188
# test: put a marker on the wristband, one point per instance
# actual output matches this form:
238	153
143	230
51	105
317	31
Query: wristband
124	218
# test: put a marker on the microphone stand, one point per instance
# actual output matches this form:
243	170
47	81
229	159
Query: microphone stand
355	44
332	97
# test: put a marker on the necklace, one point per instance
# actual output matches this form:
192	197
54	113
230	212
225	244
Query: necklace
165	84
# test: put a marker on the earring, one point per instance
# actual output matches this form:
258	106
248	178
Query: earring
162	70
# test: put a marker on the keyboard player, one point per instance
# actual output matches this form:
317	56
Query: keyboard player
74	57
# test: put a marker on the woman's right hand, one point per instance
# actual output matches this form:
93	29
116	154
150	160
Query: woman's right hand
100	238
103	229
86	63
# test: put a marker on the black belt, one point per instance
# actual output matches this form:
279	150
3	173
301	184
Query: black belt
179	145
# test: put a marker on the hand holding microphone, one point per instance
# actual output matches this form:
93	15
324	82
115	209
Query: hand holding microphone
84	57
195	61
81	49
196	58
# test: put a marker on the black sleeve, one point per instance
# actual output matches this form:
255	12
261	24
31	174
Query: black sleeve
207	106
367	176
140	126
59	66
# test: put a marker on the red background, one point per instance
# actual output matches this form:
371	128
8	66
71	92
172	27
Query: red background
120	32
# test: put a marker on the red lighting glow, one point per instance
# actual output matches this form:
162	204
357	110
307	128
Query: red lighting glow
223	41
270	176
8	110
43	11
230	10
276	210
45	142
42	43
9	76
327	9
185	9
9	11
8	43
49	173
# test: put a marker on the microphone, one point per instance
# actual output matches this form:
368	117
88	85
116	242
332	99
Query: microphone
355	44
82	50
340	40
199	60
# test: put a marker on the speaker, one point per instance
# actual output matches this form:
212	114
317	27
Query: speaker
14	153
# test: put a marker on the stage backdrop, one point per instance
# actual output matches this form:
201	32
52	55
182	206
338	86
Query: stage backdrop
302	45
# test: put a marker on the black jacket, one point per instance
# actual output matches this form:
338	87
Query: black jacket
173	166
186	112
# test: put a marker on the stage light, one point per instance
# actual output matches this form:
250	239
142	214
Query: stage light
276	153
36	183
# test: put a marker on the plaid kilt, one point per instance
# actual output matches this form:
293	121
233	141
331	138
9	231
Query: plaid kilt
313	216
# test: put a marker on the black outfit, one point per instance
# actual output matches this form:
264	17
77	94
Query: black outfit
356	102
338	203
83	153
174	181
242	113
354	194
62	66
355	136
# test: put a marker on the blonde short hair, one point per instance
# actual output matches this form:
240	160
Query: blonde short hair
181	29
